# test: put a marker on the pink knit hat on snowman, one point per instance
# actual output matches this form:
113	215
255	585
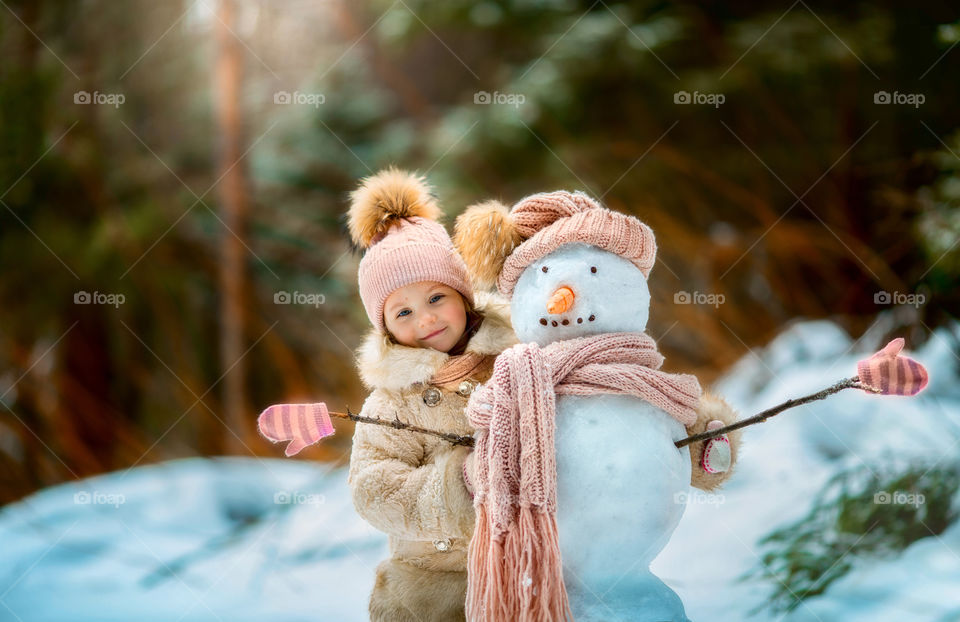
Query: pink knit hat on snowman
499	244
394	216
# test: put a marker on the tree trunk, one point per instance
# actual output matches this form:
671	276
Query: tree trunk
234	208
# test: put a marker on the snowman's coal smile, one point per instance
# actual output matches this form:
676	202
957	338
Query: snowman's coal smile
565	321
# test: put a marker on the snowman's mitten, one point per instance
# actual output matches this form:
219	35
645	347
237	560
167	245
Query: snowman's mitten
301	424
890	373
713	461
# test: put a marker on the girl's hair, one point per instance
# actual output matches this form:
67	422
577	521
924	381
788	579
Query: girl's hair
474	319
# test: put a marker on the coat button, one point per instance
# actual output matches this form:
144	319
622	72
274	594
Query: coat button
442	545
466	388
432	396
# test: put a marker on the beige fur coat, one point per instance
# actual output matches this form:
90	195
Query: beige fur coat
410	485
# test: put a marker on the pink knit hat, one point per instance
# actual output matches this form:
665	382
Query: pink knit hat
393	215
498	246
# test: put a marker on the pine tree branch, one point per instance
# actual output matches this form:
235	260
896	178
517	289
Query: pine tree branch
468	441
456	439
849	383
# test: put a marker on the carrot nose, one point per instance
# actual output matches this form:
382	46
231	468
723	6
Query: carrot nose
560	301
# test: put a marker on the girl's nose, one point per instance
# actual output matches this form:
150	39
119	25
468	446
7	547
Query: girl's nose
560	301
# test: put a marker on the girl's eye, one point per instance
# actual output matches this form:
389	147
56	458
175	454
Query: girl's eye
436	298
403	313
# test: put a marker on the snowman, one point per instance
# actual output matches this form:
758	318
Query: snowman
576	275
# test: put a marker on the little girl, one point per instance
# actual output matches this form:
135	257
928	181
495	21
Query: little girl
433	341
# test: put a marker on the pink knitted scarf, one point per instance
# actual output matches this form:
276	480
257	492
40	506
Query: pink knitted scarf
514	566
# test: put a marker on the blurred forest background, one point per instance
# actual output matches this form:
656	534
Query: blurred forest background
172	173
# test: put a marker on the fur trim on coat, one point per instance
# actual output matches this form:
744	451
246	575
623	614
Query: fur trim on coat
712	407
410	485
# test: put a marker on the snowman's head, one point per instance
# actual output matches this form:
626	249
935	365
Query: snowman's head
605	293
570	266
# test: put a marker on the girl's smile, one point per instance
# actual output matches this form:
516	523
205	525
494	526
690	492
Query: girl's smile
426	314
432	335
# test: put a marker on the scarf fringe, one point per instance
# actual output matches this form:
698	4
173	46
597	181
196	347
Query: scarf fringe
519	576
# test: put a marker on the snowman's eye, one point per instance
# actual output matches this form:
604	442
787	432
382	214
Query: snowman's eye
544	268
593	269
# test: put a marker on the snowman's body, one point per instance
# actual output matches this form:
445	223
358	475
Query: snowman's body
621	487
621	482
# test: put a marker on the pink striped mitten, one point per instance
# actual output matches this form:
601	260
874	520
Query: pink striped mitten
892	374
301	424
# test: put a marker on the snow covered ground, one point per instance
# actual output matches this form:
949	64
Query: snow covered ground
785	462
245	539
228	539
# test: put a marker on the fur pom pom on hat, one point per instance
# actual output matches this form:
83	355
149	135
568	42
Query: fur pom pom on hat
498	245
486	235
394	216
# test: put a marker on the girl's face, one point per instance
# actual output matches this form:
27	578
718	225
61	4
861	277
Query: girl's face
425	315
